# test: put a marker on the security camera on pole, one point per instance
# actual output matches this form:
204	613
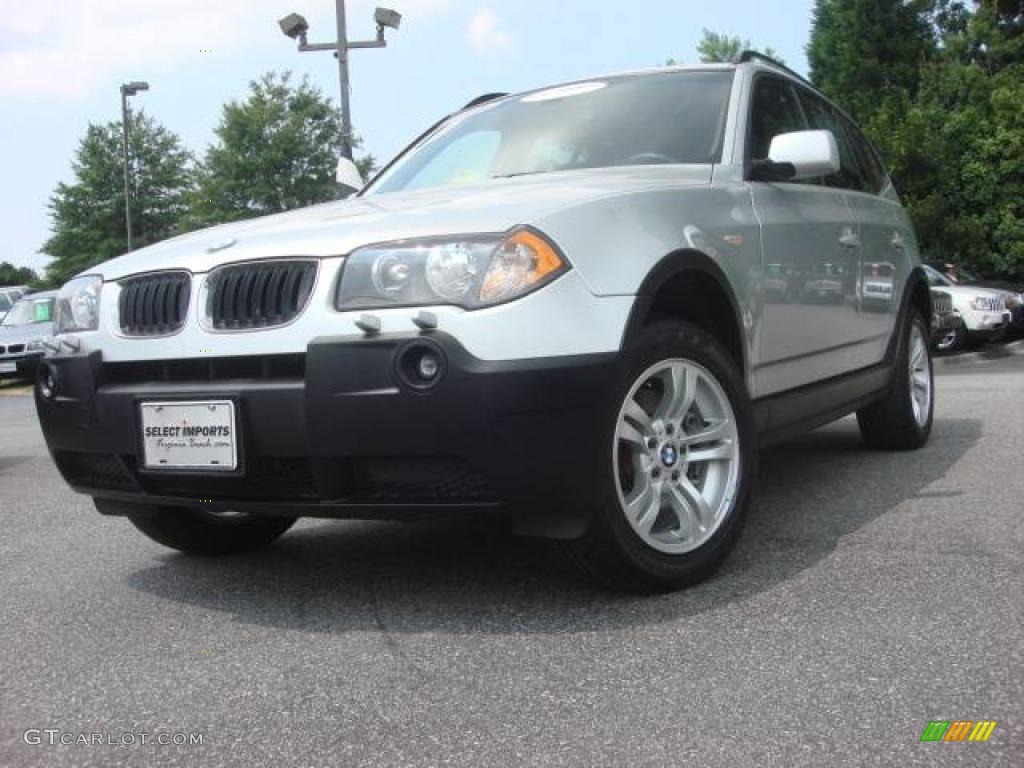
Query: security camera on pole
296	27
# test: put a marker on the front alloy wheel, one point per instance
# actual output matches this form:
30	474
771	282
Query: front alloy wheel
681	461
676	456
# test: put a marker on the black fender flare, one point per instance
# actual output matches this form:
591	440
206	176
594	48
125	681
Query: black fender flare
671	265
916	277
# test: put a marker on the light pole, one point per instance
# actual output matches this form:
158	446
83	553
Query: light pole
296	27
128	89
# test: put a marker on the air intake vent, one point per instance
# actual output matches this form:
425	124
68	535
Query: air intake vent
154	305
260	295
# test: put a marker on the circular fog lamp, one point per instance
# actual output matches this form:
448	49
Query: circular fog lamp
429	366
47	381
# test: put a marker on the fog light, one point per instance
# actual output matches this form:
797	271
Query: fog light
47	381
429	366
421	365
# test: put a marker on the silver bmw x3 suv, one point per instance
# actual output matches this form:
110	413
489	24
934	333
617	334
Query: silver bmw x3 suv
583	308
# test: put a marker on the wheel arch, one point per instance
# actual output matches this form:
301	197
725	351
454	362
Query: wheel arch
917	295
689	285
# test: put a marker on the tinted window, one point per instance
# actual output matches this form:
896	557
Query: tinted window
872	171
28	311
823	117
774	111
672	117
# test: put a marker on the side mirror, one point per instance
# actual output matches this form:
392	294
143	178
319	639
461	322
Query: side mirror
348	175
799	155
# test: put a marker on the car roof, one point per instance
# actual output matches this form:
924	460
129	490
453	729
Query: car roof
38	295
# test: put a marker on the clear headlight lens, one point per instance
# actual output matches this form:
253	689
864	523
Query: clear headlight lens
78	305
470	272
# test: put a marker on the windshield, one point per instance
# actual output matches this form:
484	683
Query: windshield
937	278
671	117
29	311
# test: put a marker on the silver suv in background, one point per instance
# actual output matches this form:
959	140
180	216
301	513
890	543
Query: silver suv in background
23	332
584	307
8	295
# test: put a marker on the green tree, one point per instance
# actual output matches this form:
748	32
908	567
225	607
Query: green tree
714	47
276	150
88	216
12	275
941	98
865	52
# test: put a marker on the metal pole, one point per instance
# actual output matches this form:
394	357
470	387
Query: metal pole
346	119
127	194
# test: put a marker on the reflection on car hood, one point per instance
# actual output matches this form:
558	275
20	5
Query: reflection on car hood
22	334
970	291
334	229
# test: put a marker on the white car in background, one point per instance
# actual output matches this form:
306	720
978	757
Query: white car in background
8	295
980	313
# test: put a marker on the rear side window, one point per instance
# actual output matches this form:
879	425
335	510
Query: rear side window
774	111
822	117
873	171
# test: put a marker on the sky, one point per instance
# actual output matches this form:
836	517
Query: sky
61	62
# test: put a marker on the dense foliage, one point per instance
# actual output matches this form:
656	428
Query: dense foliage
88	214
12	275
939	86
276	150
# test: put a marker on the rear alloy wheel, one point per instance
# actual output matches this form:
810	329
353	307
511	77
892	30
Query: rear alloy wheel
902	420
681	462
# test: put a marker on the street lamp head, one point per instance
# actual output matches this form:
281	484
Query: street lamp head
294	25
385	17
132	88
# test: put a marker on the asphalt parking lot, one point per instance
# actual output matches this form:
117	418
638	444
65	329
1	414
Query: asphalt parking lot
871	593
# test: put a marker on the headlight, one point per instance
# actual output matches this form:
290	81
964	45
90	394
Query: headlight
1014	300
78	305
34	346
470	272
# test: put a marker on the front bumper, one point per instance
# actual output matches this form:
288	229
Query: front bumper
20	364
337	432
986	323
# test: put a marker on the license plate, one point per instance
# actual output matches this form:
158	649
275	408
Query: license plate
8	367
189	435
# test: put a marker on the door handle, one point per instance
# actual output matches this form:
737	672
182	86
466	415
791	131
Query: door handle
849	238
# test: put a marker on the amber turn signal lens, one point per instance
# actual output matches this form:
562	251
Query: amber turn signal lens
524	261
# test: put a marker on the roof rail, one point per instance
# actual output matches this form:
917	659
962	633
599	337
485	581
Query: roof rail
483	99
748	56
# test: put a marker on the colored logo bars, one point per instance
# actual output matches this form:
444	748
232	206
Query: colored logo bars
958	730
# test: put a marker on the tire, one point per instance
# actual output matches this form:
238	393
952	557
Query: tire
675	539
902	420
197	532
953	339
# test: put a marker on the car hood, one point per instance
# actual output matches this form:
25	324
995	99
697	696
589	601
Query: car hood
22	334
970	291
335	229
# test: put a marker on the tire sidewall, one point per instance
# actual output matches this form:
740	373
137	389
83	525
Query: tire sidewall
903	376
664	341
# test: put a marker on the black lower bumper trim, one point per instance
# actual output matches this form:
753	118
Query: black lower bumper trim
351	436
